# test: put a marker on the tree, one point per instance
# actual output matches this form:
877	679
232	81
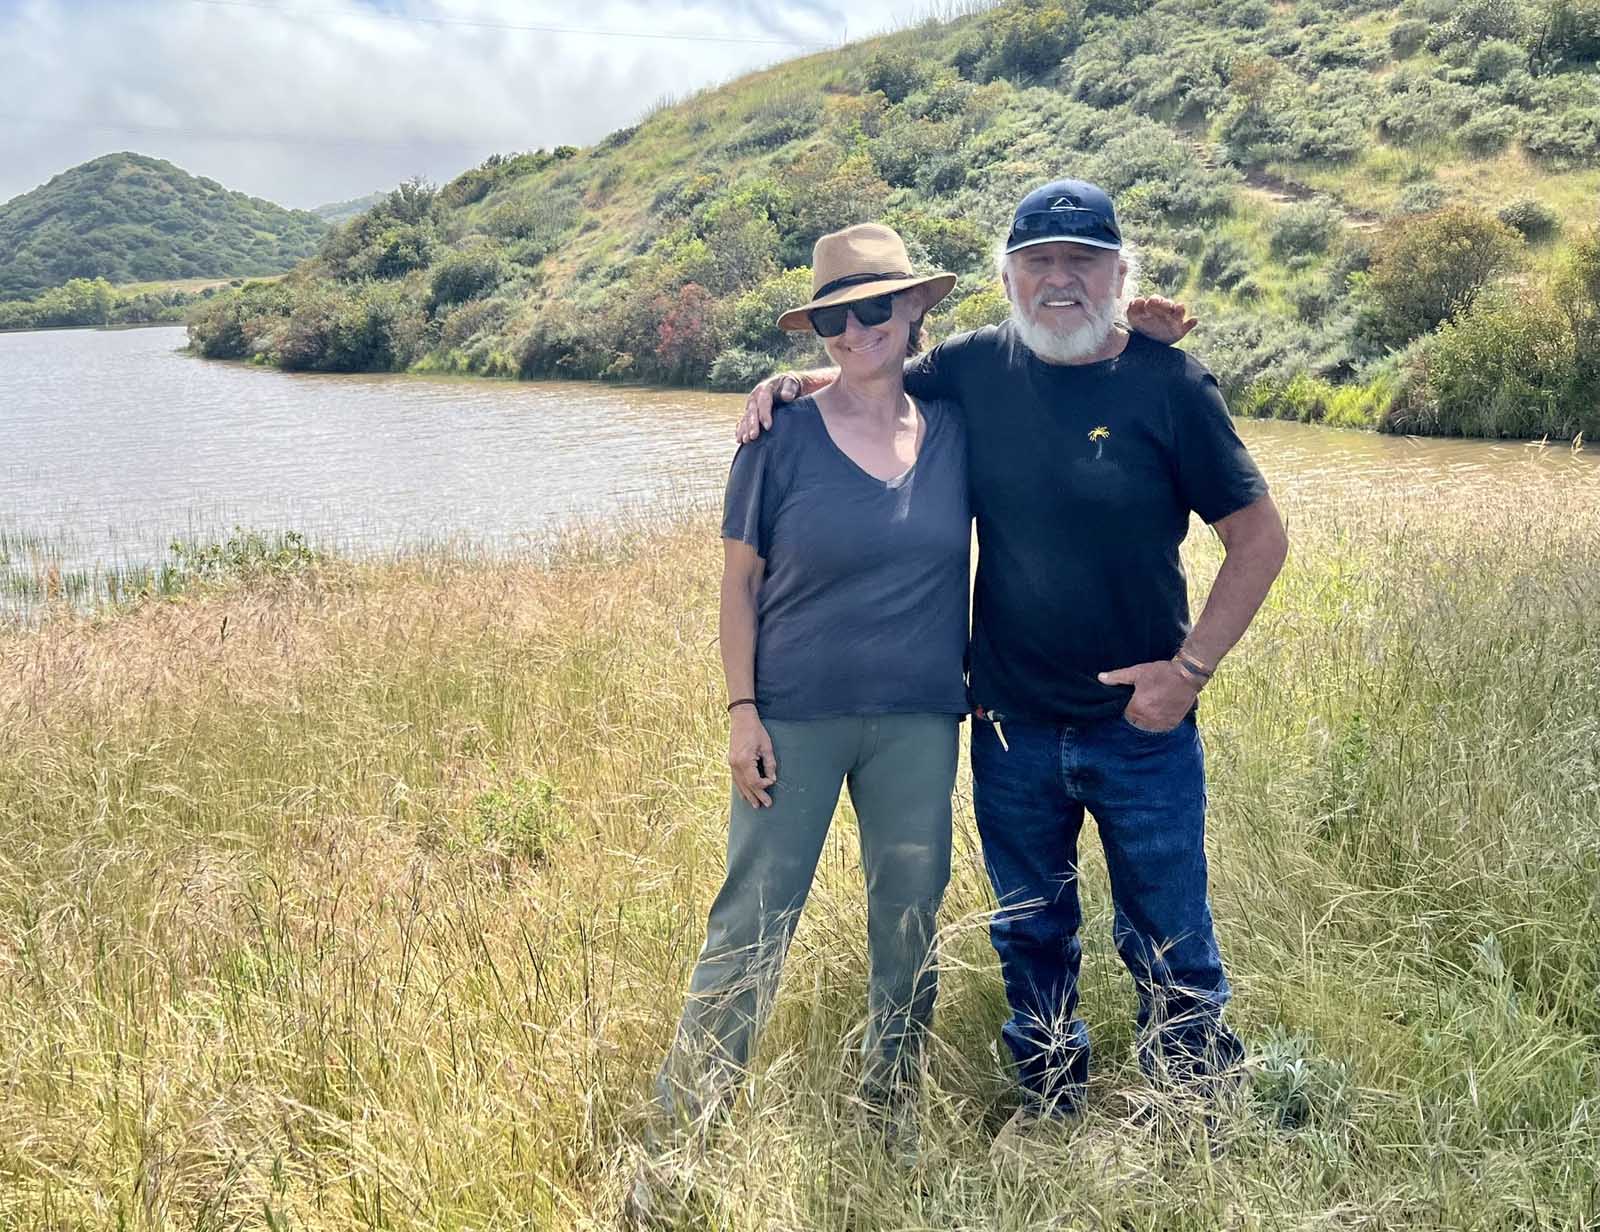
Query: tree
1430	269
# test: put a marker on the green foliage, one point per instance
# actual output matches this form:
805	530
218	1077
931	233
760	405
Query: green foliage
388	241
1303	228
245	555
524	821
462	276
1430	269
1296	1088
129	218
736	370
1568	33
1474	22
1530	218
987	306
1496	59
1489	131
1407	37
1224	263
895	73
752	324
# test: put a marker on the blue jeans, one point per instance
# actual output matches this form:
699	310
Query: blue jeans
1148	795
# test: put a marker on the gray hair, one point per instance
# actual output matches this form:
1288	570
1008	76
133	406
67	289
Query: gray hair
1132	265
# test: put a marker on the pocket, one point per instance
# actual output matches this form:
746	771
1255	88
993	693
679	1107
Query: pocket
1129	725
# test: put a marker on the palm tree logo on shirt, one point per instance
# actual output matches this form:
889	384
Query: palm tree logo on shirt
1099	436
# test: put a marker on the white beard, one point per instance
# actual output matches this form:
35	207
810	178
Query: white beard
1069	346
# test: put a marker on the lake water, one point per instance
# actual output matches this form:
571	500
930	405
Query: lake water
114	442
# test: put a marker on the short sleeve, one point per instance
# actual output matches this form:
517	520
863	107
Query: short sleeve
746	514
931	376
1216	474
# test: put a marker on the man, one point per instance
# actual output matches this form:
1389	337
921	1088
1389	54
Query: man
1089	447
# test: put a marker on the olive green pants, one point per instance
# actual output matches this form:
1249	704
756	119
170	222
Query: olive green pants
900	770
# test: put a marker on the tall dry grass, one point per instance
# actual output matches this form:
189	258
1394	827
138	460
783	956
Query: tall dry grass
366	898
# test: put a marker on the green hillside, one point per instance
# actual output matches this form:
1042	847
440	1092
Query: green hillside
130	218
343	211
1384	213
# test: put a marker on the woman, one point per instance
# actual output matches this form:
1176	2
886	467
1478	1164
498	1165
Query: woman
844	626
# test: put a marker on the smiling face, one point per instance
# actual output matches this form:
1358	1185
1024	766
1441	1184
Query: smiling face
1064	298
867	350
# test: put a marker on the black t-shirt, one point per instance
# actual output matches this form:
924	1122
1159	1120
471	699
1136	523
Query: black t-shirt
1082	481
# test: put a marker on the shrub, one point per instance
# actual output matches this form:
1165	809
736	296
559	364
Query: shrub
1030	40
1570	33
1162	271
986	306
363	327
955	244
736	370
1302	228
752	319
1423	198
1431	269
1498	370
462	276
1489	131
1496	59
1224	263
894	73
1474	22
1572	136
1533	219
686	339
1407	37
245	554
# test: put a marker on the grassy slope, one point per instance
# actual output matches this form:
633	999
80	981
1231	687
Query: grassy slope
367	899
132	218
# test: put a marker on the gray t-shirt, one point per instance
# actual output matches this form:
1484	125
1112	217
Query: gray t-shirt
863	605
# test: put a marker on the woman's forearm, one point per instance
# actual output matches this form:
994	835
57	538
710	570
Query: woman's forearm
737	629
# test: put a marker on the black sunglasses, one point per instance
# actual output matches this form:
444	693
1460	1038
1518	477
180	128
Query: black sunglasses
830	322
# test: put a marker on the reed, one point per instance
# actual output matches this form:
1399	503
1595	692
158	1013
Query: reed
364	895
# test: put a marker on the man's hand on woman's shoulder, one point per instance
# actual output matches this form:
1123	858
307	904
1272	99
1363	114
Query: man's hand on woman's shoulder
1160	318
757	417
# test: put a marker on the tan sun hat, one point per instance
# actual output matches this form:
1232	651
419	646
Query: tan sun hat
858	263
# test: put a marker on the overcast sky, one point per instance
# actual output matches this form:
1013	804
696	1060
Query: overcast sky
309	101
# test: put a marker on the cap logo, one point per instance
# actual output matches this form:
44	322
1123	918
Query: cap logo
1063	203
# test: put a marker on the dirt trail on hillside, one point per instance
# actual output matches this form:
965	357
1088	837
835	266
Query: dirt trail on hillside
1278	191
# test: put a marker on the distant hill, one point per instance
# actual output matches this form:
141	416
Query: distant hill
343	211
1330	184
130	218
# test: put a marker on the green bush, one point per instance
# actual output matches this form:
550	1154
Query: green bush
1421	198
1532	219
1570	137
359	327
462	276
1570	33
1499	369
1496	59
1489	131
894	73
1472	23
1407	37
736	370
243	555
1430	269
752	320
1306	227
986	306
1224	264
1161	270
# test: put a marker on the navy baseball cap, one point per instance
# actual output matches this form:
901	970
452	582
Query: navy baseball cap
1066	211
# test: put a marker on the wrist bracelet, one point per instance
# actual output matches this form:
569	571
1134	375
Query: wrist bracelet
1198	666
742	701
1199	679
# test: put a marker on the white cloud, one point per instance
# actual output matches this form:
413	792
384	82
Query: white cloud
328	99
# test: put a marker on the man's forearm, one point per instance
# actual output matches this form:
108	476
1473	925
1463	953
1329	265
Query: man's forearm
1256	548
816	378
